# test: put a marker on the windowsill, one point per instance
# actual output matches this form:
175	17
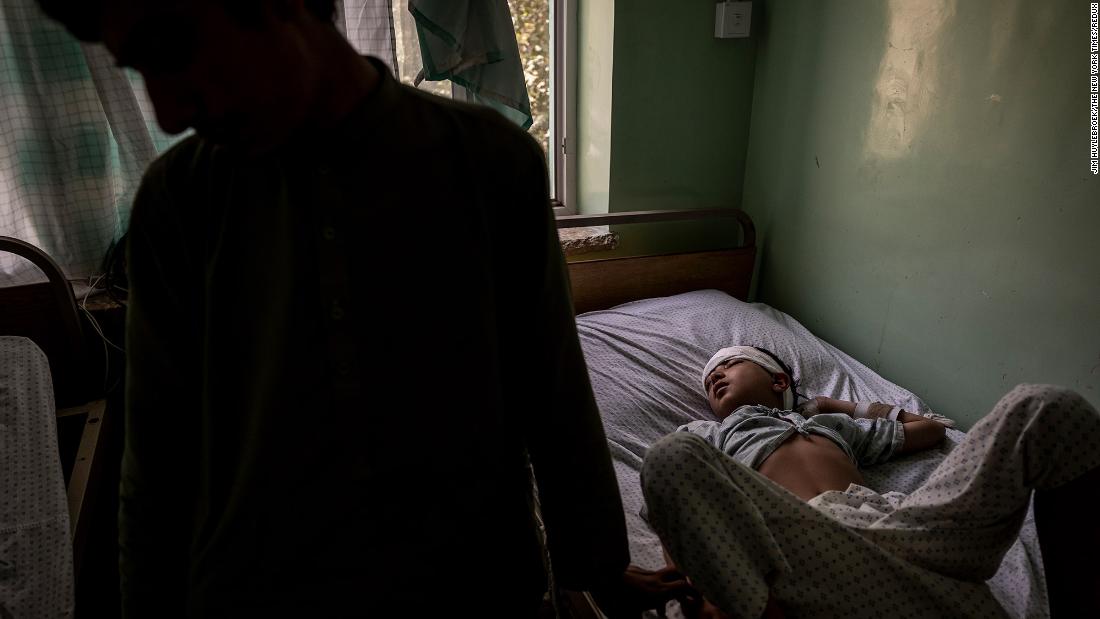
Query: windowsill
587	239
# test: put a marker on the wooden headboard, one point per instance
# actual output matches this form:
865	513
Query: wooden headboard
601	284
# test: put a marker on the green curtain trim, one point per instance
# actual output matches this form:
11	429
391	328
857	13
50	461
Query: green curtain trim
511	109
422	20
431	71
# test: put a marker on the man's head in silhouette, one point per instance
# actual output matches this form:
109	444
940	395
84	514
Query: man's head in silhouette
249	73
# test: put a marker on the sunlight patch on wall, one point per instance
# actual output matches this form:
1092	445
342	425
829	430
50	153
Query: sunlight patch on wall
905	89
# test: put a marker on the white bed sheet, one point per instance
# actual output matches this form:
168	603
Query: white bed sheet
36	560
644	359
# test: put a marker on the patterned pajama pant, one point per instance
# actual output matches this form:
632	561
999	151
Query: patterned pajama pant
738	535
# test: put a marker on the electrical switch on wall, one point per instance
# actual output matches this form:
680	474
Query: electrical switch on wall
731	20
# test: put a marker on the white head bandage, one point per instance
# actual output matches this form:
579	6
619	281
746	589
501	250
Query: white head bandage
758	357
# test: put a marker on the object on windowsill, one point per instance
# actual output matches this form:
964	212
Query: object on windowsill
576	241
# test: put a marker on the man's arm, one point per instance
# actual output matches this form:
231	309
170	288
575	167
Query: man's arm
578	490
155	491
695	606
641	590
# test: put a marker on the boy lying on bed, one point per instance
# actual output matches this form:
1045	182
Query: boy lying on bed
765	512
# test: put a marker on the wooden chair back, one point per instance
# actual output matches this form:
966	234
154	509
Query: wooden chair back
47	314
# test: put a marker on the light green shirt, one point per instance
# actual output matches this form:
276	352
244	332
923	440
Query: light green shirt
751	433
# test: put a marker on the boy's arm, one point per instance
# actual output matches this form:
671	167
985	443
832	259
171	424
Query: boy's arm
920	432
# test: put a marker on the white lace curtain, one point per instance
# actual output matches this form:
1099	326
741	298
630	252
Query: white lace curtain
368	25
76	134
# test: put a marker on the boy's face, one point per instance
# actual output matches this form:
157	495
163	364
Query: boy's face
737	382
234	84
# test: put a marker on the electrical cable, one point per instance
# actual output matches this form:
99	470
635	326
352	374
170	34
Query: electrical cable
83	305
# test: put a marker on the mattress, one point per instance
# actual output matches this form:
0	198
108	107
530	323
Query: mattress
36	561
644	361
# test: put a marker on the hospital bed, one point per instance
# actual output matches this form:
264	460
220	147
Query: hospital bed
648	324
51	450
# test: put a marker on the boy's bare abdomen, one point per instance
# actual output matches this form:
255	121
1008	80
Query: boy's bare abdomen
810	465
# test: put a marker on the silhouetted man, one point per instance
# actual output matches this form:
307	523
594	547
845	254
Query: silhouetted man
349	322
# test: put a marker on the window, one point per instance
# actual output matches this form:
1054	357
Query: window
544	32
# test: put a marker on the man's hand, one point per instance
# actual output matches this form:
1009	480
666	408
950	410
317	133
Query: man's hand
697	607
642	590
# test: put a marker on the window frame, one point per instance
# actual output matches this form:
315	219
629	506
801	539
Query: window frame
562	162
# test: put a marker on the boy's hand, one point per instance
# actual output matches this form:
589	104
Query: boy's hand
940	419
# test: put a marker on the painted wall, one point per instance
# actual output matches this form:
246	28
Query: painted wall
918	171
681	111
596	48
668	126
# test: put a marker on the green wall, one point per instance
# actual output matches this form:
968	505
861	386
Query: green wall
596	48
665	126
918	171
681	111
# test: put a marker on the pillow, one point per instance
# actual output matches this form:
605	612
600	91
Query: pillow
645	359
